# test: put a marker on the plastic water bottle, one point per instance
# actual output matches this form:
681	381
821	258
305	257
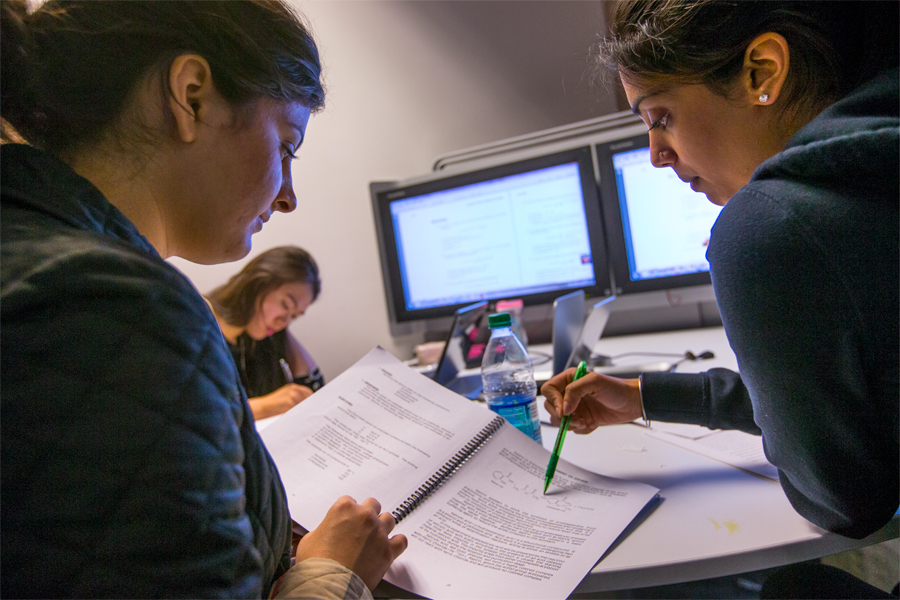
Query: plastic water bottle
508	378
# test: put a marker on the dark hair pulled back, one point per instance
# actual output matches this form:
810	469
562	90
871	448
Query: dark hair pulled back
236	300
69	67
834	46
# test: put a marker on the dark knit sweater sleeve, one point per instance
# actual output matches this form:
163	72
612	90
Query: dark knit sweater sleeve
716	399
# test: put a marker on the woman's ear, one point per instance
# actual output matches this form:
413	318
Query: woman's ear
766	63
191	94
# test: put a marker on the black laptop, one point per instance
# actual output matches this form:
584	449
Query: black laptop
462	334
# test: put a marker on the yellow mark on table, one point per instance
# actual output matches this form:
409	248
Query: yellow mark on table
730	525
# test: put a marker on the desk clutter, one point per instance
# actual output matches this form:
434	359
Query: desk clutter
711	520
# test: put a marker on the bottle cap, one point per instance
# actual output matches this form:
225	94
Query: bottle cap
499	320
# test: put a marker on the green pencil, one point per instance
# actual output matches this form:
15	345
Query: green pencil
580	372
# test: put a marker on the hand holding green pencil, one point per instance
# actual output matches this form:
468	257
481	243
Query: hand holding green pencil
580	372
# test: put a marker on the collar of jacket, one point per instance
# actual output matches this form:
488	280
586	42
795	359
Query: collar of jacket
36	180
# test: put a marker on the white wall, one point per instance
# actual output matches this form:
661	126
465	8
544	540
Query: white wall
402	89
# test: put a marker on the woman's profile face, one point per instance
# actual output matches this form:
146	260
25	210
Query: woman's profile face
235	178
712	142
276	310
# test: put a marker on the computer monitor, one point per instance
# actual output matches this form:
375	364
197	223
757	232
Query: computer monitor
529	229
657	227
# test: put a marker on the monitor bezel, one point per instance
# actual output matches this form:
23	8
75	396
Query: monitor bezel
615	229
385	193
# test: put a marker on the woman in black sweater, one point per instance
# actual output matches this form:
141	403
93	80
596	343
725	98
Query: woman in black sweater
254	309
787	115
131	463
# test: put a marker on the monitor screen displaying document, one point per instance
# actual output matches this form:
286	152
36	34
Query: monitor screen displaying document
526	230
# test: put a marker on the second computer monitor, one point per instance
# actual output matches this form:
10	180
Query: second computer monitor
657	227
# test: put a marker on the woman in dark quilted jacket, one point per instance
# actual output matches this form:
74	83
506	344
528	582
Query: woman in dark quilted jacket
131	465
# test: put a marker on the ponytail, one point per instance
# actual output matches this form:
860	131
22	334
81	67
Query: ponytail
20	107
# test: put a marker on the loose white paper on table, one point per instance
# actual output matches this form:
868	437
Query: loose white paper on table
735	448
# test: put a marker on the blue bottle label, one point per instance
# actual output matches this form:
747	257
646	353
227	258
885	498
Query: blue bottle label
521	411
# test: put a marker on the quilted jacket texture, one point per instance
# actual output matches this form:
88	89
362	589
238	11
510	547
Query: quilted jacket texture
130	462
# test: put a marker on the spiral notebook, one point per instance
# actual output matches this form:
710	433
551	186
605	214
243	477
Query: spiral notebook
464	485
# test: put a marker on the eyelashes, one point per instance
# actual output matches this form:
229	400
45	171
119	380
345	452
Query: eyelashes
663	121
289	151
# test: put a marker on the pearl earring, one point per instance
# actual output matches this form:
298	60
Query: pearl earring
764	98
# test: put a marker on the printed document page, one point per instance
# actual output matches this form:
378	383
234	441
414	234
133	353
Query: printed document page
377	430
489	532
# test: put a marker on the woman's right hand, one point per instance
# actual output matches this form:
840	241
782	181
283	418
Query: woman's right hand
356	536
593	400
280	401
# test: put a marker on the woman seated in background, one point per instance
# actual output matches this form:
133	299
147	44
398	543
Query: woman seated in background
254	310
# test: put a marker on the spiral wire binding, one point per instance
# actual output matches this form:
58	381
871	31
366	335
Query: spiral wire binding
449	468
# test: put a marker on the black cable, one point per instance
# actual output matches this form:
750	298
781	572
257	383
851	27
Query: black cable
691	356
687	355
543	355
